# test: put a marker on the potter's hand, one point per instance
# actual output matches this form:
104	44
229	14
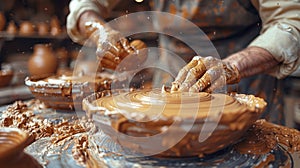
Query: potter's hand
112	48
205	74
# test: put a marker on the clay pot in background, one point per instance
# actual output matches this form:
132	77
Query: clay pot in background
26	28
6	75
42	61
2	21
12	144
55	26
12	28
43	28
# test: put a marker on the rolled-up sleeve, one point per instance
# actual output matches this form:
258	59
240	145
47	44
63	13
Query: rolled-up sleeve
77	7
280	33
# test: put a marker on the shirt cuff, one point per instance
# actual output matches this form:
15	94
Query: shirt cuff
77	7
282	41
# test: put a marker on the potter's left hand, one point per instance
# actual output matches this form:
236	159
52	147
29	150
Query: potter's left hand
112	47
205	74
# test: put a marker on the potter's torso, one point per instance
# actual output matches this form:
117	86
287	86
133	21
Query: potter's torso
228	23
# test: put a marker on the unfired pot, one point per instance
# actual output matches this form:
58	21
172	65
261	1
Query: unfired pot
2	21
42	61
26	28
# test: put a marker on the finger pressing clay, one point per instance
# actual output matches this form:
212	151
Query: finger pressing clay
183	72
193	75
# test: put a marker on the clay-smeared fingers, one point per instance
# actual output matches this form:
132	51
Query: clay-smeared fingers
183	73
201	84
140	49
205	74
138	44
206	80
106	46
232	73
108	59
192	76
108	63
109	56
114	50
217	84
125	45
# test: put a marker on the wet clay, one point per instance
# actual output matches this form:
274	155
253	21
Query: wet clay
145	113
65	91
21	116
263	136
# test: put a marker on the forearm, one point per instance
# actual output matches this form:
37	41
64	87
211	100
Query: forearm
280	34
88	17
252	61
78	8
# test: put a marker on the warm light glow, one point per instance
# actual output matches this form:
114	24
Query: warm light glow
139	1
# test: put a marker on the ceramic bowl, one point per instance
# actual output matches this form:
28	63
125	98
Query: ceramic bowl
64	92
12	143
149	122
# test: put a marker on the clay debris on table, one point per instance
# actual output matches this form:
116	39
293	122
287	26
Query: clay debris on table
263	136
21	115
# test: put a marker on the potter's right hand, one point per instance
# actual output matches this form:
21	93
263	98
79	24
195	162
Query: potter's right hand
205	74
112	47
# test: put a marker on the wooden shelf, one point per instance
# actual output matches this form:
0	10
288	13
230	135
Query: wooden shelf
9	36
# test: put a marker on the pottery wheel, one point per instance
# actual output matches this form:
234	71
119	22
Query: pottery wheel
107	153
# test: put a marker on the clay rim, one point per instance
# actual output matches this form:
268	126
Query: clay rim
35	82
108	121
254	104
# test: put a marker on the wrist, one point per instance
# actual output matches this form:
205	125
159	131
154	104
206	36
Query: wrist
232	73
252	61
85	25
